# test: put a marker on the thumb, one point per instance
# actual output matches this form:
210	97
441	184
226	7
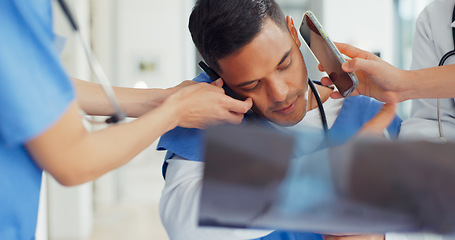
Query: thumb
381	121
219	82
249	102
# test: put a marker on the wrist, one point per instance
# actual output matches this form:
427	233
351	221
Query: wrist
162	95
169	115
405	88
175	110
149	99
156	97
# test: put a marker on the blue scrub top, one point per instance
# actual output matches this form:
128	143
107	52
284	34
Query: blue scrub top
34	94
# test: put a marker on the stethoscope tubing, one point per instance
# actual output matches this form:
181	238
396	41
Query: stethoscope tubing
441	63
95	65
321	108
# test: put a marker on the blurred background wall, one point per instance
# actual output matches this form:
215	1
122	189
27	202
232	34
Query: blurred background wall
145	43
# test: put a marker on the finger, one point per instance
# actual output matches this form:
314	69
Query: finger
215	86
234	118
353	52
238	106
358	64
219	82
326	81
381	121
321	68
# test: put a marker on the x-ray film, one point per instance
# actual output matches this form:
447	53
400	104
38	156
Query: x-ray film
260	178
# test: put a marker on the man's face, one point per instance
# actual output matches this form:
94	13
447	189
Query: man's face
270	70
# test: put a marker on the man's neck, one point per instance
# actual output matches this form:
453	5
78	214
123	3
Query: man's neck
324	93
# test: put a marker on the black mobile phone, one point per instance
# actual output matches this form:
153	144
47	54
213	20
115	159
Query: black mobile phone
327	54
214	76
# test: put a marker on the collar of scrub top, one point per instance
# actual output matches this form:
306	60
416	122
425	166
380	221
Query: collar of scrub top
98	71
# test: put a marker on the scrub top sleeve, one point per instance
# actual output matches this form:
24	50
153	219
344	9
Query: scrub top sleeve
34	89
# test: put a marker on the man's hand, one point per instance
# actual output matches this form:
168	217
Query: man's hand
377	78
353	237
201	105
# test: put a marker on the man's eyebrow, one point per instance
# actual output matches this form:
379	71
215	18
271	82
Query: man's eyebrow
286	55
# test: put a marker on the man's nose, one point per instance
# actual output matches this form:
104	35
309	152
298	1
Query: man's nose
278	90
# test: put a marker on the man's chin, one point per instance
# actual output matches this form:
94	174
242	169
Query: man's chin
288	122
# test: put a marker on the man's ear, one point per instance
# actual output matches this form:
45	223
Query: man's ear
293	30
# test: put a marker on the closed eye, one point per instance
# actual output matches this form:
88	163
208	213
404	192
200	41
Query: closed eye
251	87
285	65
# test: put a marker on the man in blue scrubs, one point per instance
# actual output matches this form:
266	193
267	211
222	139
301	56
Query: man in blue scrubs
255	49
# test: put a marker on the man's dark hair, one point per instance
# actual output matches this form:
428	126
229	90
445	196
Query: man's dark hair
221	27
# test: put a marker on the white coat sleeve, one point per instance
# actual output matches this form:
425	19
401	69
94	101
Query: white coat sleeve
424	52
180	201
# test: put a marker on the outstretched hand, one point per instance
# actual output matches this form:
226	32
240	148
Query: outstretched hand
201	105
377	78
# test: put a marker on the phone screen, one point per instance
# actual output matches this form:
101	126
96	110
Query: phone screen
327	54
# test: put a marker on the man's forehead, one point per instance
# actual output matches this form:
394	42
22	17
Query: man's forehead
265	51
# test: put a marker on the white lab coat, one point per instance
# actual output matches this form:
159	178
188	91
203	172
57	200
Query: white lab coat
432	40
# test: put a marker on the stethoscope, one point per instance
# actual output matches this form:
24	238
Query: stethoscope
214	76
98	71
441	63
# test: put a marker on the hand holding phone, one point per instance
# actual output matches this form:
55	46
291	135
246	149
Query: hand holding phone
327	54
214	76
